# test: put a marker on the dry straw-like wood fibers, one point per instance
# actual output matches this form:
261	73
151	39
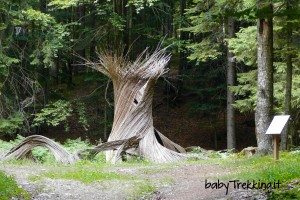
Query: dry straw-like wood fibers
23	149
133	83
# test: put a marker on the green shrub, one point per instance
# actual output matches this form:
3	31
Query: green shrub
54	114
10	125
10	189
75	145
6	146
42	155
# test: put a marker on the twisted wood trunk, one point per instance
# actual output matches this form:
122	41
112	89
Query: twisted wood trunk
133	84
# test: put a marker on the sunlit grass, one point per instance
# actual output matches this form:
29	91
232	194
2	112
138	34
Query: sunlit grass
87	176
264	168
9	189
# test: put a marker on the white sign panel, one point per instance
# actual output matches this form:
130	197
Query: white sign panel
277	124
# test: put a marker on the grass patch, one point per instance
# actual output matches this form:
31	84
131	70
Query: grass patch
34	178
9	189
264	168
142	190
86	176
287	195
166	181
154	170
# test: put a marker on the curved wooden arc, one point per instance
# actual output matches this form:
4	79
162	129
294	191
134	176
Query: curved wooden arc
23	149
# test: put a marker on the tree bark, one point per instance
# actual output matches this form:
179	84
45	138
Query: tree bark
289	76
264	102
80	52
231	137
182	55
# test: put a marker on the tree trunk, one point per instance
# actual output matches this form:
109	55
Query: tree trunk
129	40
289	75
182	55
80	52
133	92
264	103
92	24
231	137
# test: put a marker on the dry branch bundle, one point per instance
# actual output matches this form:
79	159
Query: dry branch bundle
133	83
23	149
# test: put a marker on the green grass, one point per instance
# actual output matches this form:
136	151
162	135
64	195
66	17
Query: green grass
287	195
166	181
10	189
154	170
86	175
265	169
143	189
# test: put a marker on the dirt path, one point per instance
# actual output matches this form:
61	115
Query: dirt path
178	182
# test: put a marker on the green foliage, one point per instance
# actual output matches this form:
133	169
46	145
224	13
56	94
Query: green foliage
10	190
10	125
141	4
63	4
5	63
58	112
53	37
245	91
290	194
244	45
75	145
6	146
39	18
54	114
81	111
206	21
204	51
42	155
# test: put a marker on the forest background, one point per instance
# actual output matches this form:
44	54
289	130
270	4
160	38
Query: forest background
235	64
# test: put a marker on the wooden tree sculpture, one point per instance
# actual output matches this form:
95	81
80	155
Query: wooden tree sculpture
133	84
132	130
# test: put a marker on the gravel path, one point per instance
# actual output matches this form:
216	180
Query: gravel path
178	182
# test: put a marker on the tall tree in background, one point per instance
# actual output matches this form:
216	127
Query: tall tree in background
214	26
289	72
182	54
264	103
231	137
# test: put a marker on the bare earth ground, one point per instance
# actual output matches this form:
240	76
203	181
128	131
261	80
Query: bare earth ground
176	182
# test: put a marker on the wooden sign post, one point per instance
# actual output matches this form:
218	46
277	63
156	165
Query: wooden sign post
275	129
